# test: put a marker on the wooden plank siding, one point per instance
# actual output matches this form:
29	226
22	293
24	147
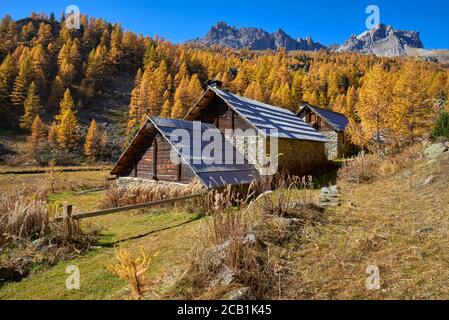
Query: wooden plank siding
223	117
156	164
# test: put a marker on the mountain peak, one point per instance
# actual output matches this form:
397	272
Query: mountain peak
256	39
383	40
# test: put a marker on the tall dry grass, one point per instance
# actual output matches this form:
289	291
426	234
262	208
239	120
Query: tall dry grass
234	237
138	194
368	167
28	236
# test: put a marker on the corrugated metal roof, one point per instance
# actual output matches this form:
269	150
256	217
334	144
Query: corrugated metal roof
265	118
337	120
211	168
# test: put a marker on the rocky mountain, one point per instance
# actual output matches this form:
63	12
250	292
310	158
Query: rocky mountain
255	39
383	41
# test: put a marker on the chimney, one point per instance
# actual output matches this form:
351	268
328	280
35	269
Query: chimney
214	83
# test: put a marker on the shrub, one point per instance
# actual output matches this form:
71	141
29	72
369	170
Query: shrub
368	167
442	127
134	271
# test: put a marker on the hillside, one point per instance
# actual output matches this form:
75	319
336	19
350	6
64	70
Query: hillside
396	222
112	78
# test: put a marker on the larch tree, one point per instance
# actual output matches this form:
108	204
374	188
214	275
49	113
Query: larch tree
22	82
7	75
32	108
53	134
374	109
65	104
92	143
37	139
56	93
68	137
135	105
412	112
254	91
195	90
166	109
178	111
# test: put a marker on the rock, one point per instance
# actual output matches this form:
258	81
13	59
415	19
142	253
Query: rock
329	197
239	294
427	180
224	278
407	173
7	274
218	253
434	151
330	191
426	230
256	39
384	41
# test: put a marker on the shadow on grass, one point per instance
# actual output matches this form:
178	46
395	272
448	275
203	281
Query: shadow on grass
328	175
113	244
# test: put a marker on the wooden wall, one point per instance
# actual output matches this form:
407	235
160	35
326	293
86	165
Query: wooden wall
222	117
163	169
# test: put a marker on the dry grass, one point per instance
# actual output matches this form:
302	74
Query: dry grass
125	196
368	167
225	243
26	229
397	223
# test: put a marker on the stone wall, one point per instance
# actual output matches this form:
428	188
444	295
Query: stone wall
301	157
124	182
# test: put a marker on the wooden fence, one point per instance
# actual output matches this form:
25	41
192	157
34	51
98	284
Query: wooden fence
68	217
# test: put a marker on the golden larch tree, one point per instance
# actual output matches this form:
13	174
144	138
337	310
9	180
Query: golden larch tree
92	144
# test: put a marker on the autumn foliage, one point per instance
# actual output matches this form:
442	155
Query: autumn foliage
48	70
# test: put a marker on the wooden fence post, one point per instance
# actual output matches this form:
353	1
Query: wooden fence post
68	217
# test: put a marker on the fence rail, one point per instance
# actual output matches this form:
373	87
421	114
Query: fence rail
68	212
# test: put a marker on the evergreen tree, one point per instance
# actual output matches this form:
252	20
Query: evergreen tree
32	108
442	127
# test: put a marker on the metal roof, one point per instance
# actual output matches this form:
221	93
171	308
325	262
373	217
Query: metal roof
264	117
337	120
214	169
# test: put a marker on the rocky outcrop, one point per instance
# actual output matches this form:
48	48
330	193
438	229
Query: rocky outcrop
384	41
329	197
254	38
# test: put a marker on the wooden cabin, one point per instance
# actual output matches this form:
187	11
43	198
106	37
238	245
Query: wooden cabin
149	158
301	148
332	125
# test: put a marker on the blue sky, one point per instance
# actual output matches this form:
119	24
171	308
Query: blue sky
327	21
